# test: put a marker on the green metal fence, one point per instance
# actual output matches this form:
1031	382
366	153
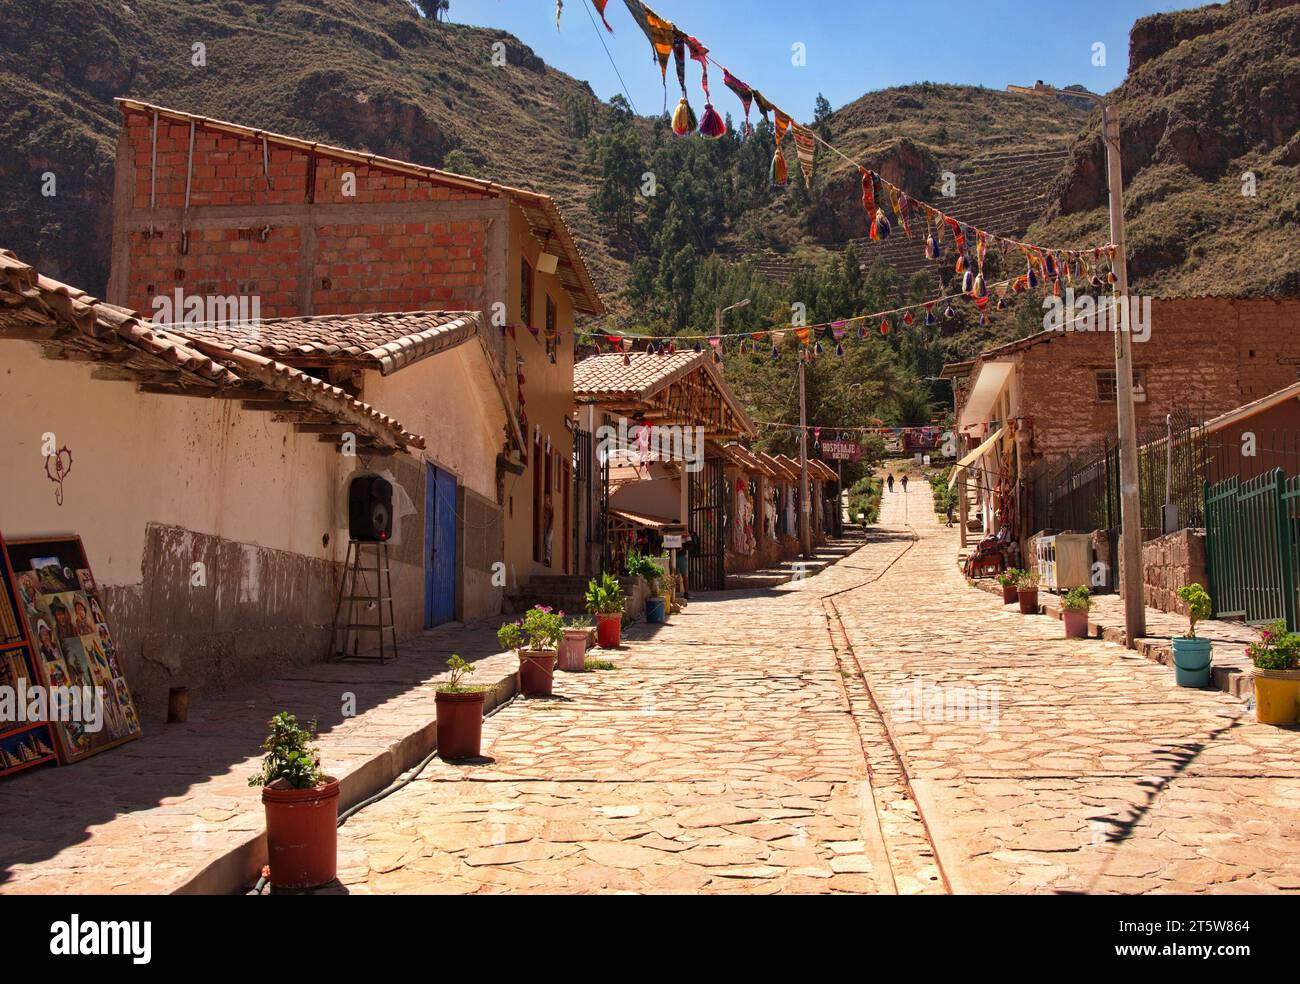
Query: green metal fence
1252	534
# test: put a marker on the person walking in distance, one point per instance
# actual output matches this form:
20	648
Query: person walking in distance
890	481
904	484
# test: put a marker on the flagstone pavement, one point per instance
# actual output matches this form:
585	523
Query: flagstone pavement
735	749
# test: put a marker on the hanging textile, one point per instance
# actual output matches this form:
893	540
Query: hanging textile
806	147
600	9
746	96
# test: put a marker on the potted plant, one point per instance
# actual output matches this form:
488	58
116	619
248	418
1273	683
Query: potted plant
1075	605
536	639
573	645
301	804
639	565
605	600
1277	674
460	713
1192	656
1008	580
1027	592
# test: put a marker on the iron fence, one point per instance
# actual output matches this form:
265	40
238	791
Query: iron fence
1252	532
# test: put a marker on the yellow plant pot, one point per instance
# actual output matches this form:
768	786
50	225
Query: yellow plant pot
1277	696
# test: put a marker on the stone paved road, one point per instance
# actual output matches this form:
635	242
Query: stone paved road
730	752
1088	769
718	757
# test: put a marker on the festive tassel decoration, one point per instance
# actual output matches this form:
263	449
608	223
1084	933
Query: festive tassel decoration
1002	304
862	330
780	171
684	121
1032	277
880	227
980	289
712	124
1056	287
968	282
1110	276
776	354
817	349
1096	281
699	347
839	349
961	266
983	320
907	318
929	314
932	248
1049	264
949	313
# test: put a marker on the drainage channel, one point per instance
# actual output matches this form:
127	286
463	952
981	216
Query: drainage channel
914	863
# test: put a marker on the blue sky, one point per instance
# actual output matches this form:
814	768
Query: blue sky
853	46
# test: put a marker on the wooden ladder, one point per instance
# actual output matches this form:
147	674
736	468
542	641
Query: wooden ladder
354	589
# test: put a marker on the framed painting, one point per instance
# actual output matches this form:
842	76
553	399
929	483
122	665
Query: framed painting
26	739
72	646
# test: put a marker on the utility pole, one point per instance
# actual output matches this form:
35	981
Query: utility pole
805	534
1130	502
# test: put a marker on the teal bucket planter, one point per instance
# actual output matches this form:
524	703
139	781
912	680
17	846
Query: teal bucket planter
655	612
1192	659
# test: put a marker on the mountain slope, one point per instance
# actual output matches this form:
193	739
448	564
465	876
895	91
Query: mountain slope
1212	95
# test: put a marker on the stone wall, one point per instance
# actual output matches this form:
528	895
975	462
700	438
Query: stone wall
1171	562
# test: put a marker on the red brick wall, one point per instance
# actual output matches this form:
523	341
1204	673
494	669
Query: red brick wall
1210	355
366	265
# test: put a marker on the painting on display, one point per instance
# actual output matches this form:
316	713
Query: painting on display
72	643
25	741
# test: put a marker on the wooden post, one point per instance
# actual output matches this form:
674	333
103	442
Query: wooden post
178	705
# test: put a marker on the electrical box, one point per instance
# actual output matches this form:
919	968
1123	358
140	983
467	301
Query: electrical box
1064	561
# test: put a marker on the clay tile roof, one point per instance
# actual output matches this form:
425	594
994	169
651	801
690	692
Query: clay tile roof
607	376
36	308
540	211
780	465
389	341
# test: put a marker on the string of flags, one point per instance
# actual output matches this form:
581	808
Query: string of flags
1044	266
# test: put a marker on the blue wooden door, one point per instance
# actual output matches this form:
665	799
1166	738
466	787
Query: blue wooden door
439	547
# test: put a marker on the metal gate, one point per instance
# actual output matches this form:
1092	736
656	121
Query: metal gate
707	506
1252	533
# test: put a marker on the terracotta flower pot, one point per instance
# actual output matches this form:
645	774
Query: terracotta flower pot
1009	594
609	630
1076	624
573	650
302	833
460	724
536	672
1028	600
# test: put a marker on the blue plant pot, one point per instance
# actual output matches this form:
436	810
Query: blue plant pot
1192	658
654	611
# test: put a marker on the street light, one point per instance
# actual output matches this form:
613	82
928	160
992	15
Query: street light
1130	502
731	307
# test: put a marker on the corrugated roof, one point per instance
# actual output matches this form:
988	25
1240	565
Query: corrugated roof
37	308
542	214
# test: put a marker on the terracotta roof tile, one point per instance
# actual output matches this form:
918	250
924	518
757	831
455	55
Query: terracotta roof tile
390	341
31	303
608	376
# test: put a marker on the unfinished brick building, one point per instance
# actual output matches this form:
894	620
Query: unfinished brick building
219	210
1022	405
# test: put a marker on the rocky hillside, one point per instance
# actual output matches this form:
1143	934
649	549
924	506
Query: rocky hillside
1210	129
367	74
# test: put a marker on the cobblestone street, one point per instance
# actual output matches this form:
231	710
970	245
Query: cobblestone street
803	739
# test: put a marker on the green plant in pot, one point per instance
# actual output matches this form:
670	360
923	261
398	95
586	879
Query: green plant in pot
573	645
1008	579
1276	655
1075	605
1193	655
536	638
1027	592
460	713
605	600
639	565
301	804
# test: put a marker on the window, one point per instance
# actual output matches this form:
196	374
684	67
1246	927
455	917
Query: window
1106	385
550	338
526	293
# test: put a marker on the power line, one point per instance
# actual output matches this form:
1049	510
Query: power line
586	5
